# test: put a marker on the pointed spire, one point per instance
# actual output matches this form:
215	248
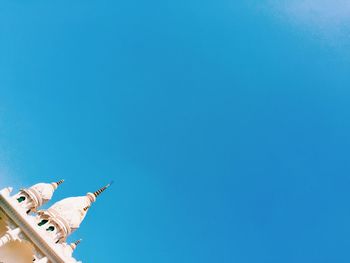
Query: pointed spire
56	184
60	182
93	196
101	190
75	244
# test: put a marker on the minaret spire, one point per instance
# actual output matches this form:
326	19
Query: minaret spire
75	244
60	182
93	196
101	190
57	184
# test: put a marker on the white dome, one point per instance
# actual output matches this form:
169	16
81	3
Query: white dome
72	210
42	193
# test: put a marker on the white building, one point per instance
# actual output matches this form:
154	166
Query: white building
30	235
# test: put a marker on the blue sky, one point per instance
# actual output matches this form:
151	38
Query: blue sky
224	124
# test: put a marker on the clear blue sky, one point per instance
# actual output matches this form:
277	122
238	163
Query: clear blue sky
225	124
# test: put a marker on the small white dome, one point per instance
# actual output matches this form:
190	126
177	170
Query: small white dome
43	191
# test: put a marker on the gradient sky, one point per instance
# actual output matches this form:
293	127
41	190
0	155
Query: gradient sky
224	124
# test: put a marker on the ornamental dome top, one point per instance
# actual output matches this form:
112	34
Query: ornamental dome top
68	249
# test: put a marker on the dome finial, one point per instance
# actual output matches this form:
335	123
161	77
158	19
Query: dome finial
93	196
101	190
56	184
60	182
75	244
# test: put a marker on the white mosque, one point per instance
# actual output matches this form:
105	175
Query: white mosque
30	235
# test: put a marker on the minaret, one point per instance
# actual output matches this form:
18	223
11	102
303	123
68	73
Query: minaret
32	198
65	216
